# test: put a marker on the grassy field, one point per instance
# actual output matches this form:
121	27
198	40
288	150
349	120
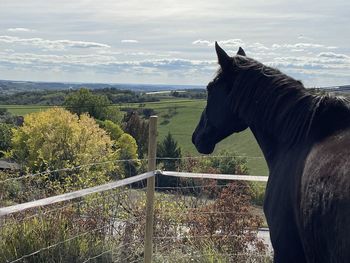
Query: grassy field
180	117
24	109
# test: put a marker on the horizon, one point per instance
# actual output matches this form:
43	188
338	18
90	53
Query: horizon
149	84
170	42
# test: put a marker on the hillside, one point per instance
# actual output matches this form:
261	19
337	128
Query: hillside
181	117
12	87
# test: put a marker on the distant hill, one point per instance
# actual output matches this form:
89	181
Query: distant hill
11	87
339	89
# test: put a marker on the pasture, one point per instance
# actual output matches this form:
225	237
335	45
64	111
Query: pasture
24	109
180	117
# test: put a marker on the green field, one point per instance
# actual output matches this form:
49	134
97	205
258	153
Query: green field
24	109
182	124
183	116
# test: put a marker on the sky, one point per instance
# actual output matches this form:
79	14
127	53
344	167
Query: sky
171	41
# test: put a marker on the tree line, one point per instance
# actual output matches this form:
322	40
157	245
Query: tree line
57	97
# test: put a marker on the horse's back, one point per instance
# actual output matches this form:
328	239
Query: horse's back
325	200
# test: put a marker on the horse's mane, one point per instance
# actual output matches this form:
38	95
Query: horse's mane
282	106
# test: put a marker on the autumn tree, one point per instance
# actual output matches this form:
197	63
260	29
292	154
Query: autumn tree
56	139
134	125
113	130
128	153
125	144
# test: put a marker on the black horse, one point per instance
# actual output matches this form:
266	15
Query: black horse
306	142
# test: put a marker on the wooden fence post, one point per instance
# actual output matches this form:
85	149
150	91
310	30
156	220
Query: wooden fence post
152	153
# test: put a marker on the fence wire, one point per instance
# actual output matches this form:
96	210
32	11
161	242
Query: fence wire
196	220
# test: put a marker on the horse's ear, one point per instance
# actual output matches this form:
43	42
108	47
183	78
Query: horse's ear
223	59
241	52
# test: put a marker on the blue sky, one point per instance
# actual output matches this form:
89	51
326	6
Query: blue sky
171	41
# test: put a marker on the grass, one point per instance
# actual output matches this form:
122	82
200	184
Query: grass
183	122
24	109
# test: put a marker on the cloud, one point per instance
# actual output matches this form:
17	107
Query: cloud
20	29
332	55
51	44
324	61
297	59
202	42
240	43
301	37
302	46
129	41
101	62
226	43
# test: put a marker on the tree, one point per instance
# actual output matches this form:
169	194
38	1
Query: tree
125	144
97	106
168	148
128	152
5	137
56	139
7	117
112	129
137	128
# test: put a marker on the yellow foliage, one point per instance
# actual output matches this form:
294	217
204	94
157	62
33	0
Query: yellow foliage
56	139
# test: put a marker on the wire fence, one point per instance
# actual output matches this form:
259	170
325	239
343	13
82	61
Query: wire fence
199	217
197	220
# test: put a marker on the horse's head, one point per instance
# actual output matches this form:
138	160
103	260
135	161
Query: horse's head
218	119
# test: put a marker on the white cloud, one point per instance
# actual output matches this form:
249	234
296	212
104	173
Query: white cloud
318	62
257	46
51	44
302	46
225	43
202	42
20	29
129	41
301	37
333	55
105	62
296	59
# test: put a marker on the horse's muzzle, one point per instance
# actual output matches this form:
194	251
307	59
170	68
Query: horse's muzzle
202	145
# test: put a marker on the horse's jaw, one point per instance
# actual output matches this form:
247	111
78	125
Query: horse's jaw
205	149
203	146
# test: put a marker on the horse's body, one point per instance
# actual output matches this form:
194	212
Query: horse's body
306	142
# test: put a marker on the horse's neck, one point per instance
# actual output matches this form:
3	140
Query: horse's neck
267	145
296	126
283	113
278	117
277	154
